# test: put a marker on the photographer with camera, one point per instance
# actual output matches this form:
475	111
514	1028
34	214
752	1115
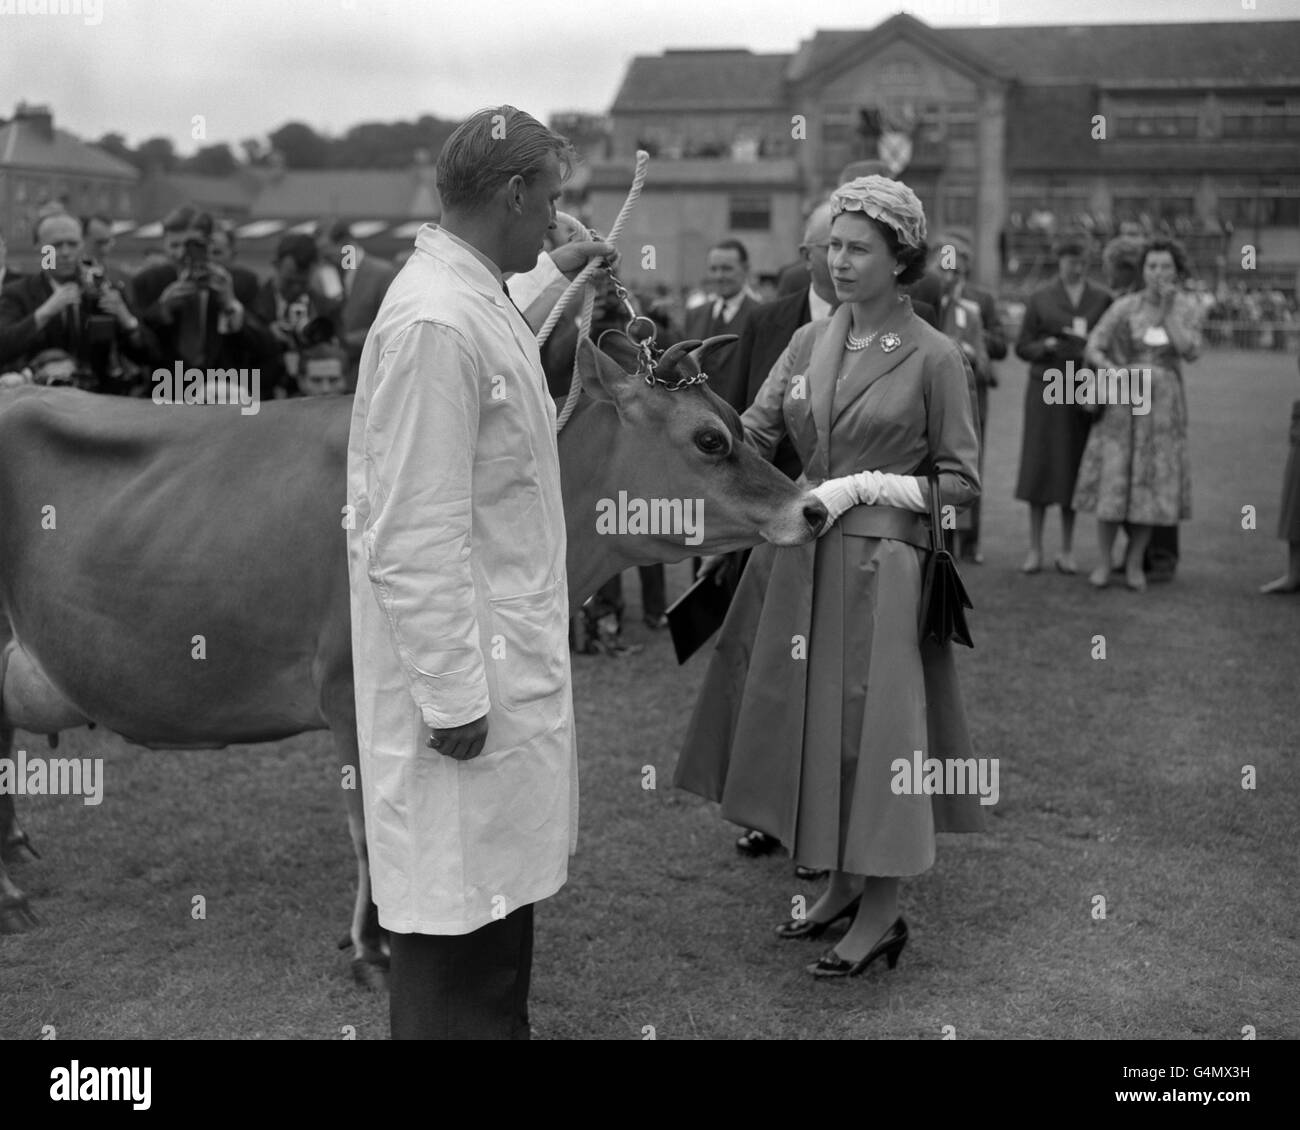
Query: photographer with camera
71	305
296	308
191	304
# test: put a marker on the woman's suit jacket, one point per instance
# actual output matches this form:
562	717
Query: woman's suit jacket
898	410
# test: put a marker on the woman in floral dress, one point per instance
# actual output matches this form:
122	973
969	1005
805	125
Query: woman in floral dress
1135	466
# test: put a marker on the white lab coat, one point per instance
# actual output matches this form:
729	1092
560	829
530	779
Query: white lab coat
456	561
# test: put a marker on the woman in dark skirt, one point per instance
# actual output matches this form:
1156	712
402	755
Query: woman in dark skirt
819	688
1288	523
1057	322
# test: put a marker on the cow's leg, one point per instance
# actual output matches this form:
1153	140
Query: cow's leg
369	939
28	700
333	674
15	914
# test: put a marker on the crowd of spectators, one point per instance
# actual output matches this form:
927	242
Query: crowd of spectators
83	321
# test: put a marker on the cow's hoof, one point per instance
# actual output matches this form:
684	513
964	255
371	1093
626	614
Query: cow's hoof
16	916
371	974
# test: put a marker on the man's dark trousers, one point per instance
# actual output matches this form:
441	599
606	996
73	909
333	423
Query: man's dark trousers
463	986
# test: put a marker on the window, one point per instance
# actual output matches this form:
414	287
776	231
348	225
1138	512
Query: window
836	132
1155	126
959	208
750	213
1264	211
1261	125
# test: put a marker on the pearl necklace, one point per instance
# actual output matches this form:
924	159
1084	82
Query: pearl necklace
854	344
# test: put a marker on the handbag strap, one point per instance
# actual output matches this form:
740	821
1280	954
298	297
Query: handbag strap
936	519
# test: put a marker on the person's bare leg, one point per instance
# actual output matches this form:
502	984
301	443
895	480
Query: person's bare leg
1066	561
1138	539
1106	531
1290	580
878	912
1034	561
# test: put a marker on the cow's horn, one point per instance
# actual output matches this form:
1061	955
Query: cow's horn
666	366
711	344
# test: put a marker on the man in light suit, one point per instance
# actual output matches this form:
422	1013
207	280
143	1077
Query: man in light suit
366	279
456	563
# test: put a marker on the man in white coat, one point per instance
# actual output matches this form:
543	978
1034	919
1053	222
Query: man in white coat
456	557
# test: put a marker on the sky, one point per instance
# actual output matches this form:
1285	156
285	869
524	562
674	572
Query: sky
149	67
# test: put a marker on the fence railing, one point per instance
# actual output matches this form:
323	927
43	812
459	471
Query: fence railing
1243	334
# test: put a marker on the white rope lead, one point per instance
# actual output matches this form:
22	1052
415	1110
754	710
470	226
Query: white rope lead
582	280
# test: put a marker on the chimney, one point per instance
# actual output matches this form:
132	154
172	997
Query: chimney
38	117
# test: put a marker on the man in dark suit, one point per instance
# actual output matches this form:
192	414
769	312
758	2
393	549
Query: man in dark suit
190	302
223	250
97	230
946	286
366	279
728	313
71	306
7	274
298	313
771	326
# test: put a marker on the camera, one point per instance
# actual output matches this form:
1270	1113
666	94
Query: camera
317	331
194	260
92	278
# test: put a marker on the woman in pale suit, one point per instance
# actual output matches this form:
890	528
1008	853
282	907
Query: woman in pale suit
819	683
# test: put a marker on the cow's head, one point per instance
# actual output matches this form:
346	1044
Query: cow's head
665	473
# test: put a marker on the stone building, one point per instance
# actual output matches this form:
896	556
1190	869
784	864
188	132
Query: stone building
1010	134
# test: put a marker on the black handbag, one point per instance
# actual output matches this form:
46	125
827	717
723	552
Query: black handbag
943	596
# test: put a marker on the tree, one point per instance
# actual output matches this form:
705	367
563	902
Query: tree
156	153
212	161
115	145
255	150
588	133
302	146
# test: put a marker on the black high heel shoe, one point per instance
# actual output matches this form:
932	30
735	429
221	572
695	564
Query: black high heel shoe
807	928
891	945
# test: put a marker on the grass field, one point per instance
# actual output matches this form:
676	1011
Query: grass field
1120	778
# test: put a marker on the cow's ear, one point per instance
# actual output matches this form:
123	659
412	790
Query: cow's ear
602	377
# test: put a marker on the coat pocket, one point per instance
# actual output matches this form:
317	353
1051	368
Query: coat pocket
529	646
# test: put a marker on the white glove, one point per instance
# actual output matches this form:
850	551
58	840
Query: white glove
872	488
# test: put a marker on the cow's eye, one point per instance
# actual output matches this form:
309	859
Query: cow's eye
711	442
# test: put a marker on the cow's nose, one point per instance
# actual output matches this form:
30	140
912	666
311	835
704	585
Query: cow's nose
814	513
